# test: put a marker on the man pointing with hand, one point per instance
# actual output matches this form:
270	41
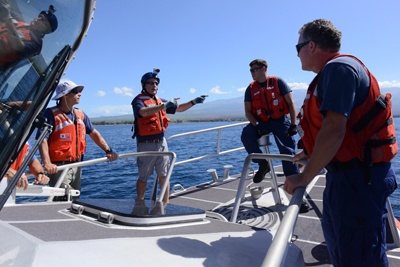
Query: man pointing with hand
150	125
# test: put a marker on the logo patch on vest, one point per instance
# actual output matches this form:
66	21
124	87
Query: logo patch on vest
65	137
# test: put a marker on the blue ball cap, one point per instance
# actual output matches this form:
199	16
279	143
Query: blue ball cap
51	18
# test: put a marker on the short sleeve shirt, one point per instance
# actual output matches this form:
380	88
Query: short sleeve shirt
283	88
342	86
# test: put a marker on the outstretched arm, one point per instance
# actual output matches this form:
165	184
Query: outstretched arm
191	103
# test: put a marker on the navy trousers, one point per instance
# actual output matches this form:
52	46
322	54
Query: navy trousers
354	216
286	144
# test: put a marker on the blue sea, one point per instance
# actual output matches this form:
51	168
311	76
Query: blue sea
118	179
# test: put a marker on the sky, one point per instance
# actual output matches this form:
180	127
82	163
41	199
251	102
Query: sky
205	46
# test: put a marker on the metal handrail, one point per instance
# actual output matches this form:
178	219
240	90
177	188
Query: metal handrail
66	167
245	173
277	252
218	152
279	247
392	226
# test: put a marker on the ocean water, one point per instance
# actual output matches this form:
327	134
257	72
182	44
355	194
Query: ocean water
118	179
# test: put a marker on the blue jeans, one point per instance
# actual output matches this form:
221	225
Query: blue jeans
354	216
286	144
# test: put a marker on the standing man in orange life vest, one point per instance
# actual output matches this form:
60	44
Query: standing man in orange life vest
150	125
346	125
67	142
19	40
267	101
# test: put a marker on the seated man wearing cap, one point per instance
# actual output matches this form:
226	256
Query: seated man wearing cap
19	40
67	141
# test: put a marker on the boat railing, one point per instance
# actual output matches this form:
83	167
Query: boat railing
65	168
279	247
218	152
280	244
245	174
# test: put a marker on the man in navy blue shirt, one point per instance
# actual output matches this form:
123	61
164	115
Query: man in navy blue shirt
150	125
336	128
67	141
267	101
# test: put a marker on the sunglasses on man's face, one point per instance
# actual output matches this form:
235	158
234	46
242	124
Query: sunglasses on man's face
76	91
255	69
152	83
301	45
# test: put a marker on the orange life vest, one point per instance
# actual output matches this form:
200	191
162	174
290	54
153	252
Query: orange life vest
154	124
267	102
370	133
7	52
21	156
67	142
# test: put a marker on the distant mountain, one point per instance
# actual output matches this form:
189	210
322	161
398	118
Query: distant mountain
233	109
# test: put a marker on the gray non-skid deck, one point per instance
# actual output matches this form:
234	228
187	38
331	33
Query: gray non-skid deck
43	221
307	235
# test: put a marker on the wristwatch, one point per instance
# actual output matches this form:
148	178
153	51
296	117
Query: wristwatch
109	150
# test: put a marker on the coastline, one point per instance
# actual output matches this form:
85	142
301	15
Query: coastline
116	120
110	121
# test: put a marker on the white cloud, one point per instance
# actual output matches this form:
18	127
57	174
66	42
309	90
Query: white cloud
192	90
242	89
295	86
100	93
216	90
387	84
125	91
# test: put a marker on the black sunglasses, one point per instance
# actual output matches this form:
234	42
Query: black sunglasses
76	91
301	45
152	83
255	69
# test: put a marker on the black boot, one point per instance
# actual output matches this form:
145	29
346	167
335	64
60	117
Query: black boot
304	207
263	169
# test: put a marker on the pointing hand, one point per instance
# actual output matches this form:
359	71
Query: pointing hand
199	100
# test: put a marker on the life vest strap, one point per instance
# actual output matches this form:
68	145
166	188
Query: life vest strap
380	104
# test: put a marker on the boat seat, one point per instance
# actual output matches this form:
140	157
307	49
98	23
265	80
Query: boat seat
265	141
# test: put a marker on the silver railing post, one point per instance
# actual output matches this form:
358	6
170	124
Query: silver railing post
392	226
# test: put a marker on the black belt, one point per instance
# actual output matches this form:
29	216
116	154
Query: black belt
150	141
348	165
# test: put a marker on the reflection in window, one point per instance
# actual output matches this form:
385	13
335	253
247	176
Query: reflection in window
49	25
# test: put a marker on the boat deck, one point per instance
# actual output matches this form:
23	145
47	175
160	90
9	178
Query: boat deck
307	235
38	234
